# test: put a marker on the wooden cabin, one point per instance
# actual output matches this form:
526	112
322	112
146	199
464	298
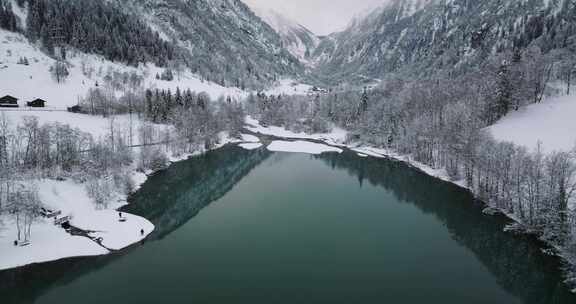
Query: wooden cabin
75	109
37	103
8	102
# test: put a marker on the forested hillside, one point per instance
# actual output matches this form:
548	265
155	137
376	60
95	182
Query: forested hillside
421	38
97	27
8	20
227	42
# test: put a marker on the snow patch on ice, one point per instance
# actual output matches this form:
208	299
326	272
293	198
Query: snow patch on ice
250	146
250	138
301	147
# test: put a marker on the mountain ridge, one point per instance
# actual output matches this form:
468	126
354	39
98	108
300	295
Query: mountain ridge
420	37
220	40
227	42
296	38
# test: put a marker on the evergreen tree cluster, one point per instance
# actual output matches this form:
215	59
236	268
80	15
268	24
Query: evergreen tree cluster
98	27
159	105
196	118
8	20
167	75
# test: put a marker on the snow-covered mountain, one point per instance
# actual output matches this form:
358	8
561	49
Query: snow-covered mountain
224	41
223	37
221	40
296	38
424	36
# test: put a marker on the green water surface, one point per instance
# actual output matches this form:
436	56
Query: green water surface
238	226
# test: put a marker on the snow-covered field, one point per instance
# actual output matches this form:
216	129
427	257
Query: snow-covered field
49	242
71	199
552	123
289	87
97	126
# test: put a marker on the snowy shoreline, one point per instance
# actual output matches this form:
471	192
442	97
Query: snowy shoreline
51	243
338	138
294	142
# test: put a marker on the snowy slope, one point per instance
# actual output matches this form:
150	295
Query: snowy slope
552	122
296	38
288	87
35	81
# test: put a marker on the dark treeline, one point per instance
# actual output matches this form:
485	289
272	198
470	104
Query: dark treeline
8	20
97	27
298	113
197	119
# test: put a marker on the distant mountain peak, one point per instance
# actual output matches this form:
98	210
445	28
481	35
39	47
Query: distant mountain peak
297	39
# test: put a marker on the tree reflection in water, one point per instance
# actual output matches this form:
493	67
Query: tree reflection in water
172	197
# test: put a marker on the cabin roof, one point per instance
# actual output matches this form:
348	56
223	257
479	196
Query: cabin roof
39	100
8	98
